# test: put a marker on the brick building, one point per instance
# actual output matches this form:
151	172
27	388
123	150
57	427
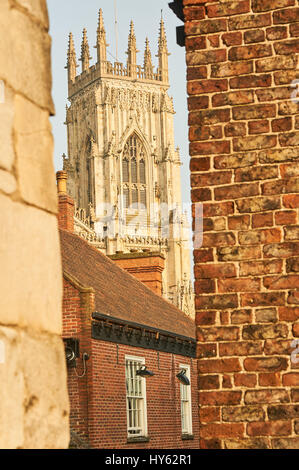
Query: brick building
115	325
242	63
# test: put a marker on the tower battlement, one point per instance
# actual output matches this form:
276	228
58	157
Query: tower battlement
108	69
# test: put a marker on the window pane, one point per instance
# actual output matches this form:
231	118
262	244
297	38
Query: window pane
142	171
143	197
134	196
126	197
125	171
134	171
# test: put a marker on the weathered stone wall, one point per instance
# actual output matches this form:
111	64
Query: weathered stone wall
242	57
34	405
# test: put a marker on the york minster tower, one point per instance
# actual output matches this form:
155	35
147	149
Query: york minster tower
122	164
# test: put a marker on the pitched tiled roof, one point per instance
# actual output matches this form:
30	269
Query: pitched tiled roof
117	293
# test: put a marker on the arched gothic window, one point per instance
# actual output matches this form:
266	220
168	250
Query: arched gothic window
134	172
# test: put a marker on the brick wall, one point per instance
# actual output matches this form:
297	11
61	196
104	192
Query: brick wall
244	136
98	400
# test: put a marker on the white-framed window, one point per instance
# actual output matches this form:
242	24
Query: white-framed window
136	398
186	405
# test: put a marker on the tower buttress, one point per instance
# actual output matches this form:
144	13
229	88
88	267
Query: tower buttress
85	57
101	39
148	66
71	60
163	54
132	53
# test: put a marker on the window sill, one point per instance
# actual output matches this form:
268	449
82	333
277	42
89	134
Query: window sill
132	440
187	437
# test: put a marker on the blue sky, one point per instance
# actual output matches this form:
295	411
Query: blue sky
74	15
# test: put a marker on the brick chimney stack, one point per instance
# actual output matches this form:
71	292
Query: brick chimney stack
147	267
65	203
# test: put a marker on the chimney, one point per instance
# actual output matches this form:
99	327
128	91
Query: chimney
147	267
65	203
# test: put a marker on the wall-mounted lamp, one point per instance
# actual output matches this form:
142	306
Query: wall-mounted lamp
71	346
183	377
72	353
143	372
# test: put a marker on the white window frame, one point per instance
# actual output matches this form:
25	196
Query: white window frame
185	396
143	408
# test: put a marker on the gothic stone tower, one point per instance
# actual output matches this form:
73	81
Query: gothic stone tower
123	167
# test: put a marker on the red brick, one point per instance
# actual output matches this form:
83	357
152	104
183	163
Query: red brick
222	430
206	286
232	39
216	301
205	26
249	21
214	40
294	29
270	379
228	8
195	73
221	208
209	117
207	86
201	194
248	81
206	57
239	222
258	300
266	5
291	201
206	350
281	282
274	428
249	52
198	102
233	98
194	13
280	125
254	112
277	32
286	16
211	179
219	365
209	382
220	398
262	220
231	69
239	285
202	256
245	380
258	127
207	148
285	217
291	379
236	191
268	364
214	270
205	317
254	36
218	239
200	164
240	348
226	381
209	414
287	47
